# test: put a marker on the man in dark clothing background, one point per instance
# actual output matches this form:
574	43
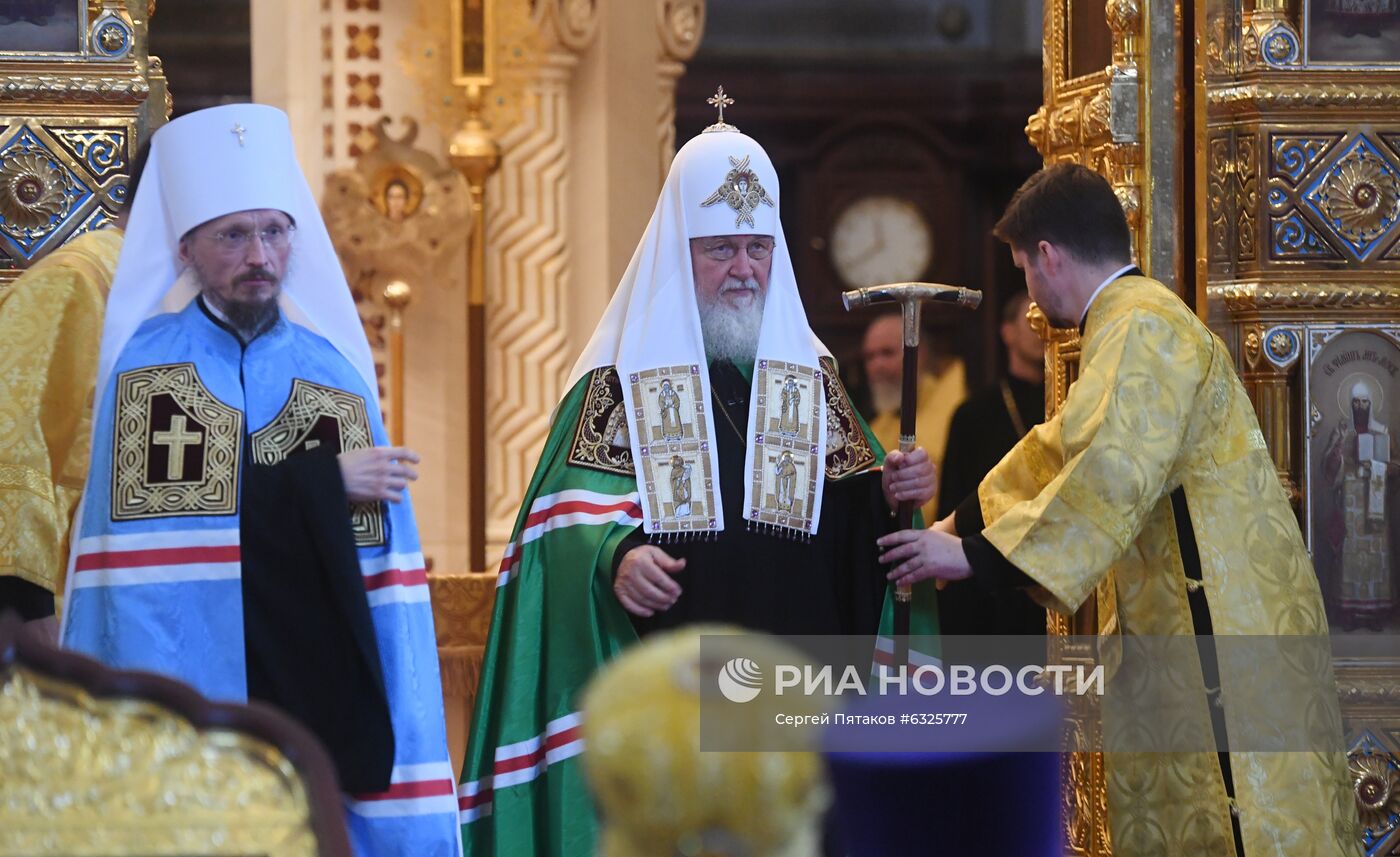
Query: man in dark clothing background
983	429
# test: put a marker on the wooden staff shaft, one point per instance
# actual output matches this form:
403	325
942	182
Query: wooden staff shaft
908	440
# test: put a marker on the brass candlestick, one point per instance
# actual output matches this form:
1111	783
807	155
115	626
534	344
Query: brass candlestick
476	155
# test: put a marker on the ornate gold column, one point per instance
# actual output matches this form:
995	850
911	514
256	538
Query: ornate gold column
1300	166
680	24
1269	360
1103	119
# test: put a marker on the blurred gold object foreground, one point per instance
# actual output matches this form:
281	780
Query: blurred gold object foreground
657	794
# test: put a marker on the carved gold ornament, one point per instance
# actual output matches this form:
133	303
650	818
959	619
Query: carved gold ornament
33	194
741	191
1376	784
112	38
1251	347
1360	197
83	774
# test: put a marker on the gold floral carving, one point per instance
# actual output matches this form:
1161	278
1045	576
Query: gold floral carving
1247	184
1125	21
1219	199
1124	164
1376	785
1360	196
1268	38
81	89
1252	296
1097	114
1252	347
34	194
1373	691
122	778
123	96
1245	98
462	607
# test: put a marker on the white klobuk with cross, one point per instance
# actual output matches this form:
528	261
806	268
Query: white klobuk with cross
669	419
787	455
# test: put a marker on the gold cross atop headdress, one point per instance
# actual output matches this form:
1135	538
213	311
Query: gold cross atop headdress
721	101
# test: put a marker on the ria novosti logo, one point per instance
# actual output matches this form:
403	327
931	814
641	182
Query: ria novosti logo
740	680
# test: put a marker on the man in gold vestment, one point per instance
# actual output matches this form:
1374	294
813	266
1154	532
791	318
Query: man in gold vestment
1155	469
50	327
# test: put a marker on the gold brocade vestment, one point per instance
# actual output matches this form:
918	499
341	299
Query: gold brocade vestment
1157	407
50	327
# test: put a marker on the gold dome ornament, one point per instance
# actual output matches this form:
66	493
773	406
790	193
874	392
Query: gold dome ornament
657	794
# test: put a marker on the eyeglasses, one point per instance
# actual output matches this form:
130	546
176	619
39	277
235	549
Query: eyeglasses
758	250
234	241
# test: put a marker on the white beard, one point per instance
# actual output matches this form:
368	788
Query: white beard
730	333
885	396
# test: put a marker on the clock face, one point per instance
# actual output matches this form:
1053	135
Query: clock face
881	239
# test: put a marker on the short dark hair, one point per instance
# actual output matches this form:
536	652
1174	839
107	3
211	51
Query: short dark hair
1073	208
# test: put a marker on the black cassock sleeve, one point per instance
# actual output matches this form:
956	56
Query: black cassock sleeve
830	584
310	642
30	600
958	476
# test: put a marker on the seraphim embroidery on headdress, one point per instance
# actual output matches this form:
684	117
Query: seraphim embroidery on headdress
741	191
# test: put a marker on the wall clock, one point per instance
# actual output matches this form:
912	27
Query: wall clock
881	239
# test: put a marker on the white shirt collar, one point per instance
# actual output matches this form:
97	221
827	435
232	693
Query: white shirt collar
214	311
1111	277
